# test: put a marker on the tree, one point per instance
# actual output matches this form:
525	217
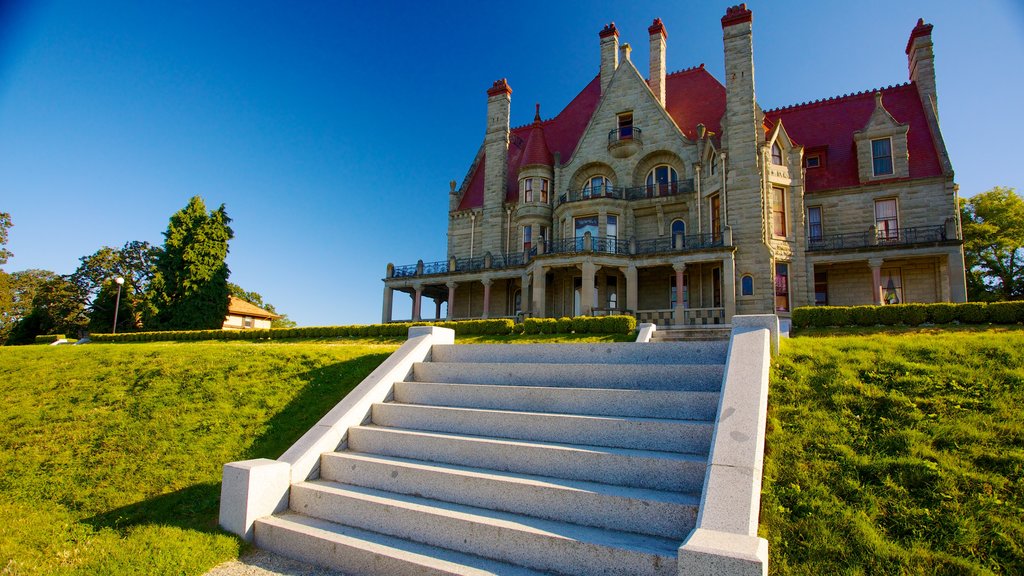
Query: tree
55	309
256	299
190	286
135	262
993	228
17	293
5	224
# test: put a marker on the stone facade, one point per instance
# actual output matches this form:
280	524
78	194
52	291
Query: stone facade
641	185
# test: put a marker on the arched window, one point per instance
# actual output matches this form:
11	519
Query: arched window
597	186
662	181
678	234
776	154
747	285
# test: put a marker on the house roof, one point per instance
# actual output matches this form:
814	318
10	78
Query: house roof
240	307
829	126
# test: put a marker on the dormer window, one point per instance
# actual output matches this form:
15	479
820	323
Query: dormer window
813	161
776	154
881	156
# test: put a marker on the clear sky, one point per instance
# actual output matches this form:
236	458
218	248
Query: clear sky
331	129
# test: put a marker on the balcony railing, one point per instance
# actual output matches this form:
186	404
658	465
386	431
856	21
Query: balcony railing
691	242
469	264
405	271
629	193
625	133
898	237
439	267
508	260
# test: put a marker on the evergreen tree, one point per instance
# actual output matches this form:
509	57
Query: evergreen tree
191	281
101	317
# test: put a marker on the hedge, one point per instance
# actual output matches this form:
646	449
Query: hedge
580	325
500	326
49	338
910	314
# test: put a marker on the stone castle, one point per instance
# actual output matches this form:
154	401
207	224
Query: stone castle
677	199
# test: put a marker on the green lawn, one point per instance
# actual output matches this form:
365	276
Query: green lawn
111	454
896	452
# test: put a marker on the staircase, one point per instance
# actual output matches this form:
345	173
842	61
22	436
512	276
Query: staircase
517	459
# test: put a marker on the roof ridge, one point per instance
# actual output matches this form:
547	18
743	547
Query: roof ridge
839	98
684	70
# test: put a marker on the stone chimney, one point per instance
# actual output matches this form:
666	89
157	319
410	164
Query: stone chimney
657	77
921	63
499	102
609	54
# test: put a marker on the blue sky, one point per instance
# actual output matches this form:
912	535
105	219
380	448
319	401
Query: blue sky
331	129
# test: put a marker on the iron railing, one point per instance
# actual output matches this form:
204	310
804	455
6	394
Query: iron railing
897	237
439	267
469	264
644	192
626	133
508	260
404	271
691	242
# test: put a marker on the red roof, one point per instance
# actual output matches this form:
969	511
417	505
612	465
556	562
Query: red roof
829	125
692	97
537	151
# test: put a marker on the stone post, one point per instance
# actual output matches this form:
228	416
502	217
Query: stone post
389	295
437	308
876	280
729	287
539	286
451	298
587	290
957	275
631	287
678	313
416	301
487	296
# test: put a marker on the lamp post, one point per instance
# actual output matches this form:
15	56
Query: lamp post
117	303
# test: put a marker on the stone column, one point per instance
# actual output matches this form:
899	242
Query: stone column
957	276
487	296
631	287
437	308
389	295
416	301
678	316
539	281
729	287
451	298
876	280
587	290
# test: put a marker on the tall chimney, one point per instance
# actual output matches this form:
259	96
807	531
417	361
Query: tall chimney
921	63
657	79
499	101
609	54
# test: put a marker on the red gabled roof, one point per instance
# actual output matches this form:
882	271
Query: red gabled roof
692	97
830	125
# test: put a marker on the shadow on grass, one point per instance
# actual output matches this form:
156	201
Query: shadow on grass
196	507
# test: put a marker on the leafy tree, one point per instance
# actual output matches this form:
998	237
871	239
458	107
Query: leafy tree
993	228
17	293
5	224
55	308
256	299
190	285
135	262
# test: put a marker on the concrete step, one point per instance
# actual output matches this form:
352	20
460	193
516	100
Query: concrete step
522	540
653	512
687	336
684	405
698	377
635	468
685	436
362	553
599	353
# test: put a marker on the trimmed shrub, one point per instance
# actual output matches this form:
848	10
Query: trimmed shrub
972	313
941	313
888	315
564	325
48	338
913	314
1006	312
863	315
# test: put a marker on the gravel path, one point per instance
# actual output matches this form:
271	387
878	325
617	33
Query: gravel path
262	563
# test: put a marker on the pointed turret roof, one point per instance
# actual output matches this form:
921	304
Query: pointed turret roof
537	151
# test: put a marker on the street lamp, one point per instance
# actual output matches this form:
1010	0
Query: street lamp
117	303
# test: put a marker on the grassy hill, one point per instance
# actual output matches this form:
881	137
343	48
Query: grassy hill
887	453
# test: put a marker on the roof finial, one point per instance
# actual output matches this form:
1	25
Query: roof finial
536	117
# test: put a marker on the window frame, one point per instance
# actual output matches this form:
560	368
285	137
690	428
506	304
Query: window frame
527	237
817	161
887	232
875	158
657	188
715	215
782	287
588	186
780	213
776	154
821	288
811	236
528	191
624	123
745	280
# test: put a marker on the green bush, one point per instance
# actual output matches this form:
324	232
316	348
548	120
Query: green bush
563	325
972	313
942	313
1006	312
863	315
49	338
888	315
913	314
